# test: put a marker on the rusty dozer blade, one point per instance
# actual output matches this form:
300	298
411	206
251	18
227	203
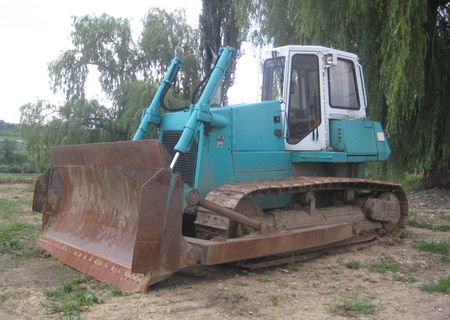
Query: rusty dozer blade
113	211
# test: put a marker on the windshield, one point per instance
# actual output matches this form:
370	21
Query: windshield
273	73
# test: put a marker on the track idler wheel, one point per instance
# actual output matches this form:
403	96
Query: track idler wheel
385	209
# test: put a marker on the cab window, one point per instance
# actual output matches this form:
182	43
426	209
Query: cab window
304	97
273	74
342	85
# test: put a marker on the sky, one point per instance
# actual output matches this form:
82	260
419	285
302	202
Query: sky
36	32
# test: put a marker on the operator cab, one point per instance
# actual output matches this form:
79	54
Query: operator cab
315	84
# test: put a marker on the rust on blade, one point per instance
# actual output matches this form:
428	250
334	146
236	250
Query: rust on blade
92	200
160	246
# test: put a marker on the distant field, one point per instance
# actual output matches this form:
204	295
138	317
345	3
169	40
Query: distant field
18	176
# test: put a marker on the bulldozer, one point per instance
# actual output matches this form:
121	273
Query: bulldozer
223	184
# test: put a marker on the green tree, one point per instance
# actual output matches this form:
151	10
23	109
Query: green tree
129	74
218	28
7	150
404	46
164	36
104	43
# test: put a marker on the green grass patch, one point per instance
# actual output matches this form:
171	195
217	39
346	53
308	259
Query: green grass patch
354	265
274	301
71	299
440	247
4	297
15	176
424	225
412	214
28	189
264	280
408	278
383	266
8	206
293	266
12	235
443	285
116	292
241	284
447	217
355	303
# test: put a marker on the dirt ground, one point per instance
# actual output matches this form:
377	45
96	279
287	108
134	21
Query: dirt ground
305	290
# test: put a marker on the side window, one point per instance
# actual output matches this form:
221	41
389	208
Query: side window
342	85
304	97
273	73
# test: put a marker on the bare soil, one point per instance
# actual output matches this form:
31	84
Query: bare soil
306	290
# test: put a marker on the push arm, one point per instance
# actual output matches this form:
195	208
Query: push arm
152	115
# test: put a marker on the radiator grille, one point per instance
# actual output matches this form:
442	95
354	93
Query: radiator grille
187	163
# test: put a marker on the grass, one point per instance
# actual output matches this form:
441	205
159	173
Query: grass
241	284
71	299
443	285
116	292
4	297
274	301
424	225
355	303
8	206
383	266
440	247
447	217
293	266
14	176
12	235
354	265
408	278
28	189
264	280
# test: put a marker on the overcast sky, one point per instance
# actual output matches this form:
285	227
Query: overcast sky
35	32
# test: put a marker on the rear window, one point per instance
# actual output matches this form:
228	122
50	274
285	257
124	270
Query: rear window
342	85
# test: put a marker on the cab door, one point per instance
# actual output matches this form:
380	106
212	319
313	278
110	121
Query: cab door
304	125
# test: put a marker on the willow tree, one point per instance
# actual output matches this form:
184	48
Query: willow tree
218	28
404	46
128	72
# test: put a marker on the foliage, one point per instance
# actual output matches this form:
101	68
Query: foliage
443	286
129	74
404	46
78	121
9	130
103	42
164	36
218	28
13	160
